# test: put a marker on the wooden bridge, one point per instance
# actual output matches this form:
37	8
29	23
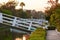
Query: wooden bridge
22	25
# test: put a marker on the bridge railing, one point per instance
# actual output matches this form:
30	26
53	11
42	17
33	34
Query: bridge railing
28	24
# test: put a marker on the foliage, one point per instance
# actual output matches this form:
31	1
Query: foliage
52	20
53	14
6	11
39	34
51	27
55	18
22	4
23	14
8	8
49	10
5	35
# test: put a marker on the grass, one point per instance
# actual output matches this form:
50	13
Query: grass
39	34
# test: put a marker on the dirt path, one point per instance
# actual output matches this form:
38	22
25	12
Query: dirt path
52	35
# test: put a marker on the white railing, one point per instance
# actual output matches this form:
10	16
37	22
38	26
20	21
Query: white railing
29	24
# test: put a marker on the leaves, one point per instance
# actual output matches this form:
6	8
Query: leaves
55	18
6	11
22	4
38	34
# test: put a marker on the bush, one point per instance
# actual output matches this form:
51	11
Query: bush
51	28
58	28
39	34
6	11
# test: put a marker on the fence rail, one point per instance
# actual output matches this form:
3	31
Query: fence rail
29	24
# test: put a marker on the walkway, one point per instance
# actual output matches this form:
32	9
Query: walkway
52	35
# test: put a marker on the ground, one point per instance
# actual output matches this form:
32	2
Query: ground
52	35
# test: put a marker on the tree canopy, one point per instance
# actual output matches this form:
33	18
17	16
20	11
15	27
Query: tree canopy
8	8
22	4
55	17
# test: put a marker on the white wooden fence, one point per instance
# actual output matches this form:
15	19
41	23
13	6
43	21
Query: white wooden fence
29	24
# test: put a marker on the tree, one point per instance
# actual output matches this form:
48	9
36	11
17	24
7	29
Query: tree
55	18
22	14
50	10
22	4
53	14
8	7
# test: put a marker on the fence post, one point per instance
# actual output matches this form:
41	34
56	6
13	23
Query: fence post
30	25
1	18
14	21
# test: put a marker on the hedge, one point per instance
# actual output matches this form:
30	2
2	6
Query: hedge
58	28
38	34
5	11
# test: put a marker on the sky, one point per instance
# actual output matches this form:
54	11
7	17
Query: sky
34	4
38	5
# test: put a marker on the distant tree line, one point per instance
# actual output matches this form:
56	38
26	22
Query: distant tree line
9	8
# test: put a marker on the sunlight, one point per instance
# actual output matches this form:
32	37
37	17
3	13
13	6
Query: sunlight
18	39
59	1
3	1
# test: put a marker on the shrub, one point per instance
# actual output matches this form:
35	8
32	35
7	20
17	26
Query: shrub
38	34
58	28
51	28
6	11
